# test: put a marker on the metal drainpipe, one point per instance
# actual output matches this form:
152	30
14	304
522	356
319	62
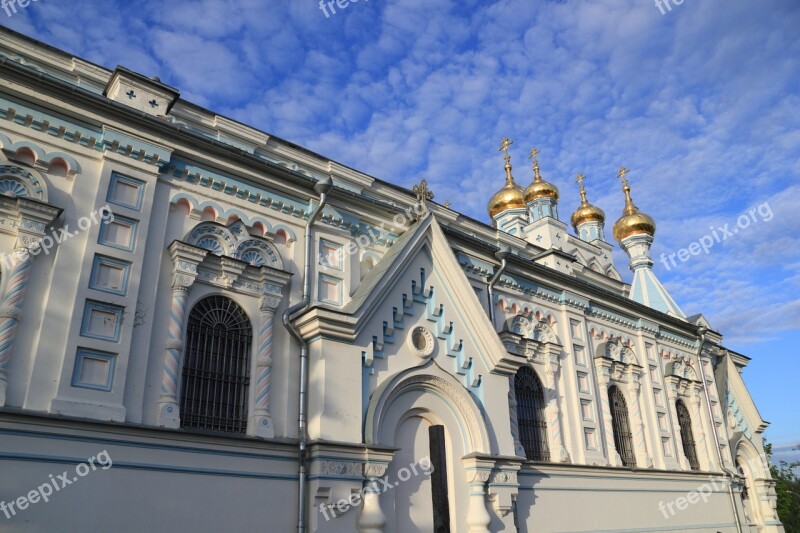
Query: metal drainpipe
702	331
322	188
501	254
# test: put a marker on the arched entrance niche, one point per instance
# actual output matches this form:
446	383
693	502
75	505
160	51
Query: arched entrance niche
401	413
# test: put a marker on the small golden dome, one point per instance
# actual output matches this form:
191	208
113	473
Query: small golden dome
510	196
586	212
632	221
539	188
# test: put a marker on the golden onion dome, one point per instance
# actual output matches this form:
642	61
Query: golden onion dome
632	221
511	196
586	212
539	188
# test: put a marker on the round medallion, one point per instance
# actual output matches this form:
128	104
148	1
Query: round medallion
421	341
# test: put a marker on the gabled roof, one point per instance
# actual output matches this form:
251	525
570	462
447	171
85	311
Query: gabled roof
425	236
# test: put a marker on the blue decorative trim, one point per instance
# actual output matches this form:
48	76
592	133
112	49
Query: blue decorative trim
100	260
93	139
94	354
87	313
206	178
133	224
119	178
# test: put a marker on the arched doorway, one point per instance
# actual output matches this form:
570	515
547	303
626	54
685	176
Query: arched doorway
408	413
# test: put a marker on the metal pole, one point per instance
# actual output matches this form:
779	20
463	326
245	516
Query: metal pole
502	254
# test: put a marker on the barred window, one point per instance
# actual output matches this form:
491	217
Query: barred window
531	414
623	440
216	371
685	421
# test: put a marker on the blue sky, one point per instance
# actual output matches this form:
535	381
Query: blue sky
701	103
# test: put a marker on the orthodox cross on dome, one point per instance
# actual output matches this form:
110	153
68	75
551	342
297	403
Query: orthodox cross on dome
533	155
423	194
504	148
622	174
579	181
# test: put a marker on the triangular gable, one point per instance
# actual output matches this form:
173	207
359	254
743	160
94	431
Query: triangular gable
425	236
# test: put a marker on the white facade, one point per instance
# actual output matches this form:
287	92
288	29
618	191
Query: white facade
168	204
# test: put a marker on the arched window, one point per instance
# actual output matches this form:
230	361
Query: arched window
531	414
622	429
687	437
745	494
216	371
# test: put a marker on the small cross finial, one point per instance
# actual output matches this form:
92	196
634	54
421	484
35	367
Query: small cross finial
504	144
504	148
579	181
622	174
534	154
423	192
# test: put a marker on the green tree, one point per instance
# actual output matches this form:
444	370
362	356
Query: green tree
787	486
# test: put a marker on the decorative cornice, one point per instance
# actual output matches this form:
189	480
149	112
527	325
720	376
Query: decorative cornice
79	134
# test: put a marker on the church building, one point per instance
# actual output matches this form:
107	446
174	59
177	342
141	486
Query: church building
204	327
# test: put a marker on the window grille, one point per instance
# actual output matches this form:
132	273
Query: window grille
685	421
216	371
531	414
623	440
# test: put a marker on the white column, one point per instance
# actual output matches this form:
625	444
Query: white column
635	387
699	429
261	420
672	398
372	519
11	309
185	259
553	361
603	380
478	518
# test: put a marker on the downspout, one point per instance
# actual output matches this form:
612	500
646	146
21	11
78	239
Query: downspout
702	331
322	188
501	254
